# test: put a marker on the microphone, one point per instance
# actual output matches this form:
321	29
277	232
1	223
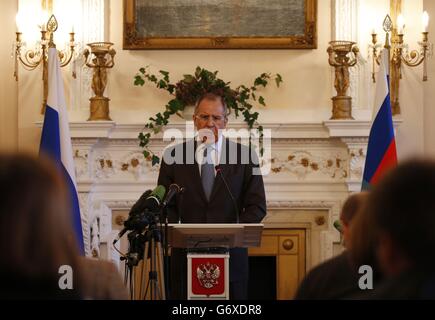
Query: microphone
120	234
149	201
173	190
139	206
155	199
219	172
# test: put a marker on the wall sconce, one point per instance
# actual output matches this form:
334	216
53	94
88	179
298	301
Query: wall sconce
32	58
399	54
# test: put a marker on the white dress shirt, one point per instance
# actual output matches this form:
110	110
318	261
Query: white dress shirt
216	150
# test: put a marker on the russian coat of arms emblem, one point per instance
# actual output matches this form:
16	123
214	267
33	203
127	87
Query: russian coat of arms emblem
208	275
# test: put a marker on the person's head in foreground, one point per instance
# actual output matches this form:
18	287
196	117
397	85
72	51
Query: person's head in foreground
397	229
35	229
353	204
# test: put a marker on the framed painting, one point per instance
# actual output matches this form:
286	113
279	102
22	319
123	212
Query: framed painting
220	24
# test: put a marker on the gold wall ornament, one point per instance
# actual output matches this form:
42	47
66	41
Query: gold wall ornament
100	57
32	58
399	54
342	56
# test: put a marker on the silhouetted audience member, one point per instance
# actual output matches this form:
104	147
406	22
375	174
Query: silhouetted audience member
401	215
36	238
335	278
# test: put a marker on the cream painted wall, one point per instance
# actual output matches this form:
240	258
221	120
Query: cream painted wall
304	93
429	92
29	94
8	86
410	135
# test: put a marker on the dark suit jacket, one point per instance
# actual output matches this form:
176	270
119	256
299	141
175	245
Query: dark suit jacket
333	279
193	207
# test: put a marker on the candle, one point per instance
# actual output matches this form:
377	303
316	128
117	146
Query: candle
44	19
425	20
19	20
400	24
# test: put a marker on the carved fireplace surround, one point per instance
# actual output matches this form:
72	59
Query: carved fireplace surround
314	167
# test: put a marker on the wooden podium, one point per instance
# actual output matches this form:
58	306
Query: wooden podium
208	254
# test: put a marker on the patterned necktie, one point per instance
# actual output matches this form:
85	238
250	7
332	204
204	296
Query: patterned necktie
207	172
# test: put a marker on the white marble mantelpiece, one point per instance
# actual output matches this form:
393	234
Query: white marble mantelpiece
314	166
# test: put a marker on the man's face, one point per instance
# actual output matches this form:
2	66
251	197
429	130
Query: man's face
210	115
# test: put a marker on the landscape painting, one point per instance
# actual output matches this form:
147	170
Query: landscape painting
189	24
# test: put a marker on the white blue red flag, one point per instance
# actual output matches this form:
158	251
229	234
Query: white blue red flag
381	150
56	139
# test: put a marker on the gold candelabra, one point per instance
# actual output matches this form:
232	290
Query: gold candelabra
399	55
32	58
342	56
103	59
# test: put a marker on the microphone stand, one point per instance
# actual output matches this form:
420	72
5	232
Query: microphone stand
164	214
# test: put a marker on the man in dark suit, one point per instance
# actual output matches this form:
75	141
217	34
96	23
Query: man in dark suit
192	165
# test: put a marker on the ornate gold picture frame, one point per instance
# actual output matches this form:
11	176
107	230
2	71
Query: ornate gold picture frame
220	24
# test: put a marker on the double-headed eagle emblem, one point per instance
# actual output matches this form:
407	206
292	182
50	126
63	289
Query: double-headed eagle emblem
208	275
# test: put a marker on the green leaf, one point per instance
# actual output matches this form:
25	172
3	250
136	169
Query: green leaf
155	160
146	154
261	101
260	82
165	75
161	84
188	78
278	79
171	88
175	105
198	72
142	70
138	81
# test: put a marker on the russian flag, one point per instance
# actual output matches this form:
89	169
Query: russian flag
381	150
56	139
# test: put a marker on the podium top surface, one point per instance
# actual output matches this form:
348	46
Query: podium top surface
202	235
